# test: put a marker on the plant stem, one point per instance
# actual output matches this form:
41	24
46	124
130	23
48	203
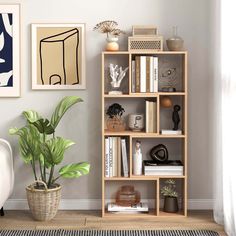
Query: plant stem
44	166
41	171
33	167
54	180
50	176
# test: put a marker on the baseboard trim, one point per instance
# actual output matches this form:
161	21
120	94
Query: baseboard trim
95	204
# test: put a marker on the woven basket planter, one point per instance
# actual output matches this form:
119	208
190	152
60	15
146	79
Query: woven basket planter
43	203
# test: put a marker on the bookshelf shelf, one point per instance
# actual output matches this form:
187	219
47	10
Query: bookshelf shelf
136	102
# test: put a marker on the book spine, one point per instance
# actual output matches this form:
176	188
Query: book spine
148	74
151	121
118	157
155	73
151	75
124	157
137	72
114	156
110	156
154	117
147	116
107	161
133	74
143	74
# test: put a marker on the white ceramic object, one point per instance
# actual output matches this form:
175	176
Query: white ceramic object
112	44
6	172
137	159
136	122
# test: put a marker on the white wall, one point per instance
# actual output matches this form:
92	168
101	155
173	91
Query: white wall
84	120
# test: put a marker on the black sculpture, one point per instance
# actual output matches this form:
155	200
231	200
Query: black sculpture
159	153
175	117
2	212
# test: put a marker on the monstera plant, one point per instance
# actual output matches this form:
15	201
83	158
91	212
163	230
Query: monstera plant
41	148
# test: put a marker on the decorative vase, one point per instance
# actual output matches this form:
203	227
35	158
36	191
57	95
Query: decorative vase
112	44
43	202
171	204
115	124
136	122
127	196
175	43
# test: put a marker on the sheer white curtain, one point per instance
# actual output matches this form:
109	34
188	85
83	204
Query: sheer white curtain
225	115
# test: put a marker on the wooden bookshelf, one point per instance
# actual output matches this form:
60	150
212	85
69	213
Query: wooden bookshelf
125	58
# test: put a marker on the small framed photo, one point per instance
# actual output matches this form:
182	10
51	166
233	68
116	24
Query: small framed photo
58	56
9	50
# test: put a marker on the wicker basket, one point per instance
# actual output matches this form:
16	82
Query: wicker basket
43	204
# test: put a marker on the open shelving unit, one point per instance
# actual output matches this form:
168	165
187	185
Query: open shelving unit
135	103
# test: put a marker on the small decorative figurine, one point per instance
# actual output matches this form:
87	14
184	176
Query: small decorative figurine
159	153
168	80
117	74
137	159
175	117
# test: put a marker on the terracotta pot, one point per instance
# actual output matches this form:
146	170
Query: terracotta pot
171	204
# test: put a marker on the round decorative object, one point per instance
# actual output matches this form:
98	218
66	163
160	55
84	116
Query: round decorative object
175	43
136	122
159	153
112	44
166	101
127	196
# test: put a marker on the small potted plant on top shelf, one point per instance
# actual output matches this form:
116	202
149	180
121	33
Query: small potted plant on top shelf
108	27
170	196
114	121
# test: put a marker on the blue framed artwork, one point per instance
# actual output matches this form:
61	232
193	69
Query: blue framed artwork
10	50
58	56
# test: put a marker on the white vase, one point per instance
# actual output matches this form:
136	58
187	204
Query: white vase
137	163
112	44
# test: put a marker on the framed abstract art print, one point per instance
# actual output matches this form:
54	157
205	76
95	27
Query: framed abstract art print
10	50
58	56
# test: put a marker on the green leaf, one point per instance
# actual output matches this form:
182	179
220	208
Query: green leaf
31	116
29	141
54	149
62	107
44	126
75	170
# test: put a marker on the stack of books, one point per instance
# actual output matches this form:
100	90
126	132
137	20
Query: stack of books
116	158
151	117
135	208
144	74
174	168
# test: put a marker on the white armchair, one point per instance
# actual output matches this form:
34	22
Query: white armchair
6	172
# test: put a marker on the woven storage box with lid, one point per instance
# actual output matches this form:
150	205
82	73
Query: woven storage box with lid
147	44
43	203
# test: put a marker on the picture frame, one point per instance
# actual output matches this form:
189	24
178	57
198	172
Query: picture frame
58	56
10	80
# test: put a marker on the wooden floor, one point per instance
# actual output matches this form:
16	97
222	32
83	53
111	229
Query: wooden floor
93	220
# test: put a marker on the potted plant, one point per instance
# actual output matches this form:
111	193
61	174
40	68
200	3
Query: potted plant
108	27
43	151
170	196
114	121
